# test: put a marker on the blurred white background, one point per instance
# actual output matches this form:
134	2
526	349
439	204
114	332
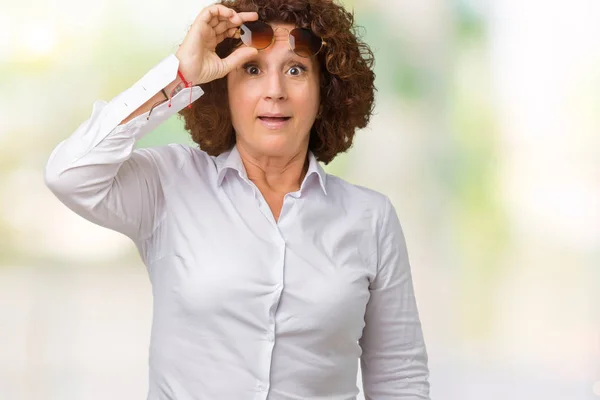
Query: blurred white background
486	138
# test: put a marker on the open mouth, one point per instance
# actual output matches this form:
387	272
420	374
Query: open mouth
274	119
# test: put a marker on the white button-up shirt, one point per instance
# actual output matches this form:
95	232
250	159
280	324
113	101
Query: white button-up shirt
247	307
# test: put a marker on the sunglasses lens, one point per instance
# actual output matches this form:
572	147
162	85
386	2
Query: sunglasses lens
256	34
304	42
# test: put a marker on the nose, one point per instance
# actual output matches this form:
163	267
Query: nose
275	86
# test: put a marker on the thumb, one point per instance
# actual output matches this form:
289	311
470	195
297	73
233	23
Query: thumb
239	57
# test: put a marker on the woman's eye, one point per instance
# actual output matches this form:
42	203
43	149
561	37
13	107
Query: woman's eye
296	70
252	69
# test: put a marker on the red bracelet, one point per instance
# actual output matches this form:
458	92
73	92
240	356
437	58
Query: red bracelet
187	85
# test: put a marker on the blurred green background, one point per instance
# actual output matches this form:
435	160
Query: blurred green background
486	138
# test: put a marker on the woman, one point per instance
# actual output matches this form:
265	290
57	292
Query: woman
270	277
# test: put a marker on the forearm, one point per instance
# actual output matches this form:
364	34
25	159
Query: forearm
164	95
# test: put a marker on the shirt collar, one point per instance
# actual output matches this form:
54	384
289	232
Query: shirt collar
231	160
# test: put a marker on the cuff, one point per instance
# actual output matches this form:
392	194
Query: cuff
144	89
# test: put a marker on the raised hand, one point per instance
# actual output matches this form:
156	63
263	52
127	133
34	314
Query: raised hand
198	61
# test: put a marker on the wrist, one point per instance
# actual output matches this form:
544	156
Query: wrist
164	92
174	87
177	86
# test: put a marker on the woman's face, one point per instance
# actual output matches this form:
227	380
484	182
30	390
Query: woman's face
274	99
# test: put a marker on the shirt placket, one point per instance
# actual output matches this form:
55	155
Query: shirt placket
263	386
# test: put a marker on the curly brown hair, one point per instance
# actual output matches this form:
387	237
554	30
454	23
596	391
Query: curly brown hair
347	79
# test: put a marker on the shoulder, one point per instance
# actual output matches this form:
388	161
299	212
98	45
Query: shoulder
174	155
385	220
363	205
173	160
360	206
357	196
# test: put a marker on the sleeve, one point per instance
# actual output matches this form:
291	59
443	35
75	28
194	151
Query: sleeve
394	361
98	173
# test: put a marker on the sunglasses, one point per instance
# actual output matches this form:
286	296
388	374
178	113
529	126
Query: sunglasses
260	35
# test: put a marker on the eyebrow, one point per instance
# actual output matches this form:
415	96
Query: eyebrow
293	57
290	58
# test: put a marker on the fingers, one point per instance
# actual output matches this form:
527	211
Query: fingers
246	16
217	13
225	27
239	18
221	27
230	33
238	58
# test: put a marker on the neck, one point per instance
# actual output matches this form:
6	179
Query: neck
281	174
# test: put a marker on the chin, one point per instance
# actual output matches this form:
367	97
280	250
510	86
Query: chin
277	146
274	145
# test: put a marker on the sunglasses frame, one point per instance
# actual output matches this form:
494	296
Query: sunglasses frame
323	42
